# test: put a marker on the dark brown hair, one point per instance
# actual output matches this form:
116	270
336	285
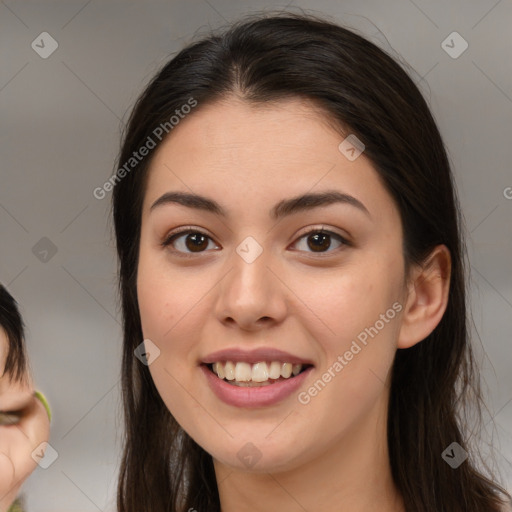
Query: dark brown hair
266	58
12	324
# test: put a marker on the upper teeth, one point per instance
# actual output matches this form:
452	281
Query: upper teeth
258	372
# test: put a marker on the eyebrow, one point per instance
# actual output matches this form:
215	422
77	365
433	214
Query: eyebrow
282	209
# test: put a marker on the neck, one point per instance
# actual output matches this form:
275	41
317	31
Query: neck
354	475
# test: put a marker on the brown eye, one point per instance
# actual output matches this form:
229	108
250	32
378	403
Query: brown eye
188	241
320	241
196	241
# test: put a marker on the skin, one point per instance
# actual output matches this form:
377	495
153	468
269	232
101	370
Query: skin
330	454
18	441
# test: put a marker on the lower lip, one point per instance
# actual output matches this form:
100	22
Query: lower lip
258	396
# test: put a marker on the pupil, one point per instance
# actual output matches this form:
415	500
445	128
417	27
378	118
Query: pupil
197	244
317	237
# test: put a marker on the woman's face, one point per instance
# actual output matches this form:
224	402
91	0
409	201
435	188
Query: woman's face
257	281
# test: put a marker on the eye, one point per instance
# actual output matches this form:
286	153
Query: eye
195	241
10	418
319	240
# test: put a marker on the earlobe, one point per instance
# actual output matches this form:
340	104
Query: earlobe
427	299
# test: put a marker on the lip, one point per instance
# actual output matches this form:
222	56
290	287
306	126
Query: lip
253	396
264	354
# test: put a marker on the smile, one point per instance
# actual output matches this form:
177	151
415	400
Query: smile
240	390
257	374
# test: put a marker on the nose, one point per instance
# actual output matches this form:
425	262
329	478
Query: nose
253	295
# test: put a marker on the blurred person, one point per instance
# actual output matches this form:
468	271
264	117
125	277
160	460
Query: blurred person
24	412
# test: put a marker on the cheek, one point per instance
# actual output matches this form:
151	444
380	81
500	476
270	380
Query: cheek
344	302
171	311
161	294
358	349
161	309
355	315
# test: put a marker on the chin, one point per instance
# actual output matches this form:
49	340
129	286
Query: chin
256	456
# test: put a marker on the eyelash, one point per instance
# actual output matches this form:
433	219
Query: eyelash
173	236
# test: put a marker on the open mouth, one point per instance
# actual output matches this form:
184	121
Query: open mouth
256	375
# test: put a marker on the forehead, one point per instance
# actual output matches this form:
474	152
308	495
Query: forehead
233	148
232	128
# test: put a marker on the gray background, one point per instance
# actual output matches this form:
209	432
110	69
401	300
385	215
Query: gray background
60	130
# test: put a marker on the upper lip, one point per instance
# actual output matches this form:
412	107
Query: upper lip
258	355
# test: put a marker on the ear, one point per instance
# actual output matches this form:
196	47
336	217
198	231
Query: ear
429	286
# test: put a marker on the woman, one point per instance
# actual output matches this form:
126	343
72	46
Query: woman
24	414
292	284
